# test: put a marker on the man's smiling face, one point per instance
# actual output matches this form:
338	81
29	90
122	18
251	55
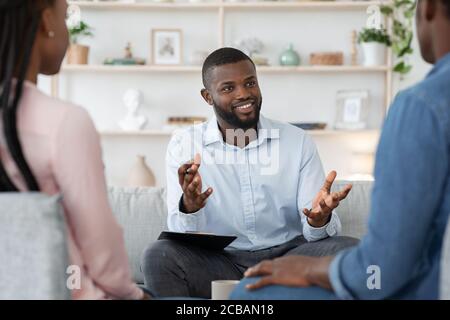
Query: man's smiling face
234	92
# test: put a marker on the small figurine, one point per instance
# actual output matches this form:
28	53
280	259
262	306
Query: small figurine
132	121
128	58
128	52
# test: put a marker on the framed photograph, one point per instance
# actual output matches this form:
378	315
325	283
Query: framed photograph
166	47
352	109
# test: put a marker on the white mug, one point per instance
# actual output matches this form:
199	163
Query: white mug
221	289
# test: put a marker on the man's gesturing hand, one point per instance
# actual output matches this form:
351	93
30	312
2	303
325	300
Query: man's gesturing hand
325	202
191	183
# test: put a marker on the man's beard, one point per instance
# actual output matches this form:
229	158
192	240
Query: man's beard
232	119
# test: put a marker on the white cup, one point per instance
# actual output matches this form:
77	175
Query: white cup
221	289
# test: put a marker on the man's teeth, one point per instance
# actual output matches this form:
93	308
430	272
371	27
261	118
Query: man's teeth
245	106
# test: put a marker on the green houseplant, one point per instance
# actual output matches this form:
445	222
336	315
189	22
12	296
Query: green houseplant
82	29
401	13
78	54
374	35
373	43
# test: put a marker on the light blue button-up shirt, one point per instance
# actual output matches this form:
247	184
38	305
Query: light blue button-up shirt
258	191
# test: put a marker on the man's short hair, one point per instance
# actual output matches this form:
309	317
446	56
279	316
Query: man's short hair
221	57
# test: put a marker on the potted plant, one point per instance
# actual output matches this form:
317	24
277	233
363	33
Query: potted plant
78	54
401	13
373	43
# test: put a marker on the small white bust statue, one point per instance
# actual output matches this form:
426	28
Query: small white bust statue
132	121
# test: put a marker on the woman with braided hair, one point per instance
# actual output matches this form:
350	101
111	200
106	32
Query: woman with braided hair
51	146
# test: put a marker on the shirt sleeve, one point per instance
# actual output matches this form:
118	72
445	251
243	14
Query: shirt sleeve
175	157
410	171
78	170
311	179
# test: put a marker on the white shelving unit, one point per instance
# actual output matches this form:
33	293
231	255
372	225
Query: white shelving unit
222	24
222	7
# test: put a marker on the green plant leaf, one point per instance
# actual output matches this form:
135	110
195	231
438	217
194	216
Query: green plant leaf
399	66
386	10
395	48
409	13
403	51
401	3
81	30
374	35
400	13
406	69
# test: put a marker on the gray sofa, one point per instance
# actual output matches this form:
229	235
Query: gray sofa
142	212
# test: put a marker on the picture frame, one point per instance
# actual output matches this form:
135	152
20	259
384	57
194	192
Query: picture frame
166	47
352	109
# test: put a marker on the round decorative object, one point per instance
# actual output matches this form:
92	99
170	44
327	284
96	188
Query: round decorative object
290	57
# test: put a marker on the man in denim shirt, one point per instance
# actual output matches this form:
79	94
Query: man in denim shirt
410	199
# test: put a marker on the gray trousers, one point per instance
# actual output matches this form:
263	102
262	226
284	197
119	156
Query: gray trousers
173	268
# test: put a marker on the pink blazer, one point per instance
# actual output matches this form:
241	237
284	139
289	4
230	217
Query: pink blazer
63	149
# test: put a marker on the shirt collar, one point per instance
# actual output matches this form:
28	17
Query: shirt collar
213	134
442	64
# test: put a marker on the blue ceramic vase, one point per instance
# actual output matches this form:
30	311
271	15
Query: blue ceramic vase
289	57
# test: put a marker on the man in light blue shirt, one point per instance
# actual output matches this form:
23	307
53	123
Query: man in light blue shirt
400	256
252	177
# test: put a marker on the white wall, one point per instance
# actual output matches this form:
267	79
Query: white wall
287	97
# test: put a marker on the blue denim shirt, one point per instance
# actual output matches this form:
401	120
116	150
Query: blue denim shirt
410	200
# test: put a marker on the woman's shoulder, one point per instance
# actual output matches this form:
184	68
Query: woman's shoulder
54	111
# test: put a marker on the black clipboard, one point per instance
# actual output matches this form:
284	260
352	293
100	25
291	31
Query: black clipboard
204	240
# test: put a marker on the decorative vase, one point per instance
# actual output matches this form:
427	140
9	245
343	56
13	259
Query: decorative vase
77	54
290	57
140	174
374	54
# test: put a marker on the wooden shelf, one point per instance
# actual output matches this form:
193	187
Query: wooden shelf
159	133
122	133
344	5
139	68
341	132
143	5
309	69
197	69
322	4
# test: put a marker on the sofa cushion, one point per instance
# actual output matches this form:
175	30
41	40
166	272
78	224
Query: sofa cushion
354	210
33	247
142	214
